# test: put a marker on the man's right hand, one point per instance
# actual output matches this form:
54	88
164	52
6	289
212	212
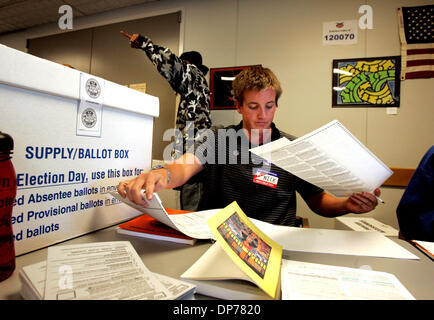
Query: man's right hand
152	181
134	39
181	170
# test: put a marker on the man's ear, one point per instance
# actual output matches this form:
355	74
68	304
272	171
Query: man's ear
238	106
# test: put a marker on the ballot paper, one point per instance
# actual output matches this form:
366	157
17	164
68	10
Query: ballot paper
191	224
100	270
330	157
311	281
32	278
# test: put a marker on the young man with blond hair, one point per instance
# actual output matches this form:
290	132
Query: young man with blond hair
230	169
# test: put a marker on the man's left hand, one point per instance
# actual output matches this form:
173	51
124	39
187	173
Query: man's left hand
362	202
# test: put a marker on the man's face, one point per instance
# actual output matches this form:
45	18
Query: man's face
258	109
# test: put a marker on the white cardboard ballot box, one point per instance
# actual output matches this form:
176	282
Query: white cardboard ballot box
75	137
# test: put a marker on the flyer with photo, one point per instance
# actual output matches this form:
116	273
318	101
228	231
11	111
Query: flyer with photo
253	252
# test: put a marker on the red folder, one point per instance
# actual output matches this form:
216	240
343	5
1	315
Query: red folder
148	227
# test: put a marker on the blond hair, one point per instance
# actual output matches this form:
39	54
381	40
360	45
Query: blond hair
255	78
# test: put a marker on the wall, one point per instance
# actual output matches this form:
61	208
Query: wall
104	52
286	36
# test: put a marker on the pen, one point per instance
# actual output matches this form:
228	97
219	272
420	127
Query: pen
379	199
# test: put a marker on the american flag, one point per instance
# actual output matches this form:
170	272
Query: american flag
416	28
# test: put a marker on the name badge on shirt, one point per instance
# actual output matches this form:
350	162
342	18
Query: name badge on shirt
266	178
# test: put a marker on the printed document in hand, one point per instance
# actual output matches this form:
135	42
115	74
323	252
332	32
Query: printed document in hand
100	270
330	157
192	224
312	281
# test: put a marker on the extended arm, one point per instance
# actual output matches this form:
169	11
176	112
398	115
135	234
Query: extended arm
168	64
327	205
152	181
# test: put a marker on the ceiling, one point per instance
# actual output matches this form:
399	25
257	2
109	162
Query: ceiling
17	15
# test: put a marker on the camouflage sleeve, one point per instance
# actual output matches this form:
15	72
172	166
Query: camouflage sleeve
168	64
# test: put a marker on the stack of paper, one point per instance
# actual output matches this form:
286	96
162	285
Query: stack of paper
145	226
192	224
346	242
311	281
95	271
251	251
215	274
241	252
